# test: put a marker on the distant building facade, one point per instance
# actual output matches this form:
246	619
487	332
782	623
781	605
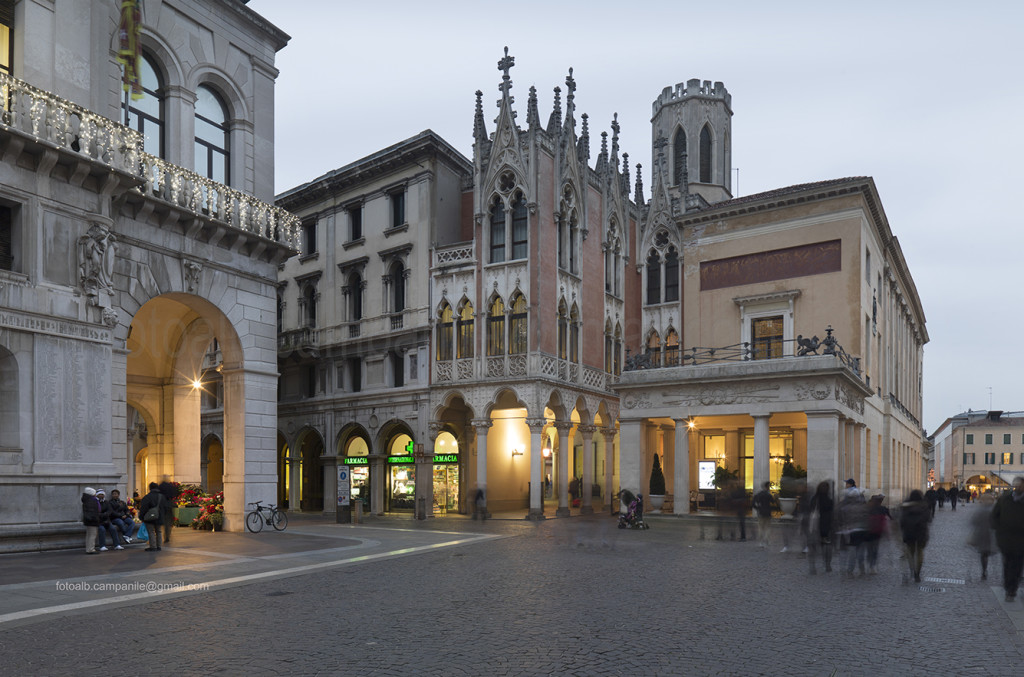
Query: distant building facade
980	450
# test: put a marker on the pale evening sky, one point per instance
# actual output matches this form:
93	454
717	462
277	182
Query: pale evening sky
926	97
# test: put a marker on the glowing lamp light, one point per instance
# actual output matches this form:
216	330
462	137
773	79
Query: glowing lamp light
197	384
516	452
546	452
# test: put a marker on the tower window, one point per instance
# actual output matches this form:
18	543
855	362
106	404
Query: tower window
679	157
705	154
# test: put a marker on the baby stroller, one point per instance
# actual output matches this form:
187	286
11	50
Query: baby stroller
634	515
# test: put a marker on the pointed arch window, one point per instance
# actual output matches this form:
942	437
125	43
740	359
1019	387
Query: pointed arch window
672	275
608	345
563	330
561	240
496	328
520	228
654	349
465	345
574	334
705	154
497	231
653	278
672	348
679	157
146	115
444	333
574	231
212	143
517	336
617	350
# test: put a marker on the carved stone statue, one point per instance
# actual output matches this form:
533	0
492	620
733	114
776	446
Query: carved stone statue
97	250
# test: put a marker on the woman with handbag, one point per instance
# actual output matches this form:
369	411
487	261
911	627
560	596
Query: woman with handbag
153	508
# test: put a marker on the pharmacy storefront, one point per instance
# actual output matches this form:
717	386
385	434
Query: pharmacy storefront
446	474
400	466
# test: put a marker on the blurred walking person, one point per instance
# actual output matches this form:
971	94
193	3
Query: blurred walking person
981	531
1008	521
914	518
763	503
878	526
156	502
853	513
822	508
953	496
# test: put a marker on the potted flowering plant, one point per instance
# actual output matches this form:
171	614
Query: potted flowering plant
211	513
188	502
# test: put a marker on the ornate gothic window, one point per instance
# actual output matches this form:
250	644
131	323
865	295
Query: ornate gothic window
517	337
654	349
672	275
563	329
444	333
520	228
574	334
608	346
497	231
678	157
496	328
705	154
653	278
465	345
672	348
617	350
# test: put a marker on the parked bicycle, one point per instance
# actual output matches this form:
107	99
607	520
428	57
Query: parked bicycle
265	514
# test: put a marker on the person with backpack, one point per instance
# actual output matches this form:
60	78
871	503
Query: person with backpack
153	510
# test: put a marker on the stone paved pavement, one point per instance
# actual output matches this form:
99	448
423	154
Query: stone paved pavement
568	596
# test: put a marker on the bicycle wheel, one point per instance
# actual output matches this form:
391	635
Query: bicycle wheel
254	522
279	521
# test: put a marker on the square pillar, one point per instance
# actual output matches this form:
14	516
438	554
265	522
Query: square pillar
536	426
681	468
563	468
587	433
631	455
823	439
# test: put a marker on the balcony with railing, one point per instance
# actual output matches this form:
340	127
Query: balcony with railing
90	146
504	367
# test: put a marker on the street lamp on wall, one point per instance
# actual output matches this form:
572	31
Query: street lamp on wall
516	452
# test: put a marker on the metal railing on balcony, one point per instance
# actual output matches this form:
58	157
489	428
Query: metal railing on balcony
61	124
743	352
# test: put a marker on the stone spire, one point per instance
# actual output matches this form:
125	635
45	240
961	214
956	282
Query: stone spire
570	104
625	174
583	145
555	121
615	141
504	65
532	115
479	128
638	195
602	157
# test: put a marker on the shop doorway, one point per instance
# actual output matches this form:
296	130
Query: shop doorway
401	479
447	474
357	458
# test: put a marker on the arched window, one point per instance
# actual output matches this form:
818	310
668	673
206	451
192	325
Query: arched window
617	289
354	291
672	348
561	240
608	345
574	231
678	157
520	229
465	345
444	333
672	275
497	231
617	350
517	337
212	144
396	278
654	349
705	154
574	334
653	278
146	115
496	328
563	329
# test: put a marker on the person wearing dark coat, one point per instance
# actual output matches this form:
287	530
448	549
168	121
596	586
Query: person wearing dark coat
932	497
1008	521
822	507
914	519
953	495
170	492
107	524
154	499
91	519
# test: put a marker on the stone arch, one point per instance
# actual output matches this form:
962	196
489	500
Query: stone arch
309	450
223	84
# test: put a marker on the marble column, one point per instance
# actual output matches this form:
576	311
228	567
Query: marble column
536	426
631	456
563	428
762	453
681	479
609	468
587	433
481	426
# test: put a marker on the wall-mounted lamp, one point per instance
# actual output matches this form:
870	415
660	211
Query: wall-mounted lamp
546	452
516	452
691	423
197	384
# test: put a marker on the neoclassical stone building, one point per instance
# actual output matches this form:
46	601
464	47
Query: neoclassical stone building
126	250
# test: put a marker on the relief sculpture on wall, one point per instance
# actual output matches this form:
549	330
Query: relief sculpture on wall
97	250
